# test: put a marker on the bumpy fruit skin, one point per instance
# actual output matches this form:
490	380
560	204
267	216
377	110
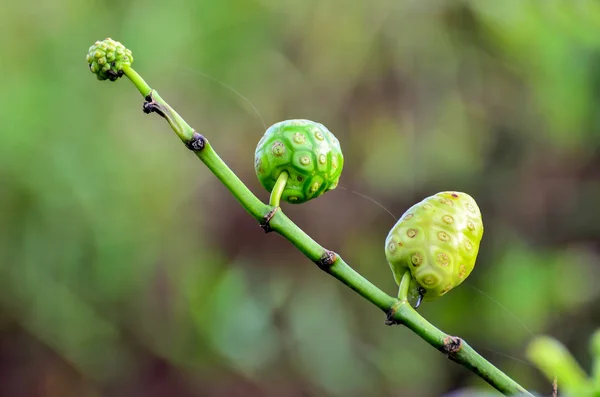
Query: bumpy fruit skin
438	240
107	58
307	151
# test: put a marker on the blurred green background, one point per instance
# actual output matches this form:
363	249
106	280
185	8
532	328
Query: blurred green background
126	269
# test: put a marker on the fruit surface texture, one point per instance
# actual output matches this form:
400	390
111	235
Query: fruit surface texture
107	57
307	151
437	240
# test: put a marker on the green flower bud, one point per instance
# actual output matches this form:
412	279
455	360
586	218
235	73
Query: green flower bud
307	151
107	58
437	240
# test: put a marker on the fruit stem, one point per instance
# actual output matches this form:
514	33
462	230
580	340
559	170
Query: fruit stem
278	189
404	284
400	312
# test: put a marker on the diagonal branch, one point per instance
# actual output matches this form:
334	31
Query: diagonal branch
271	218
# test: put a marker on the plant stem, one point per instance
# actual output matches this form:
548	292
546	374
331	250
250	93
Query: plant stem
137	80
457	350
278	189
399	311
404	284
247	199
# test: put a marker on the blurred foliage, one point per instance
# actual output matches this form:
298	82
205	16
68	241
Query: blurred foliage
556	362
126	269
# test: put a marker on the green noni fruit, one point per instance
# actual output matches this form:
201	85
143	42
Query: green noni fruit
307	151
107	57
438	241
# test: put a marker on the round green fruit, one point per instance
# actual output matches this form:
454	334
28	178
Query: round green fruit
107	57
437	240
307	151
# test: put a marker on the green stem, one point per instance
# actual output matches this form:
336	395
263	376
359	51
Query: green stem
457	350
208	156
403	288
177	123
399	311
283	225
137	80
278	189
246	198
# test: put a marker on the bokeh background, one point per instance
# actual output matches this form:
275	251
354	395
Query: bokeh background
126	269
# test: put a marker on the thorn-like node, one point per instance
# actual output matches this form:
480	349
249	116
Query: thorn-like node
267	218
452	345
197	143
327	260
